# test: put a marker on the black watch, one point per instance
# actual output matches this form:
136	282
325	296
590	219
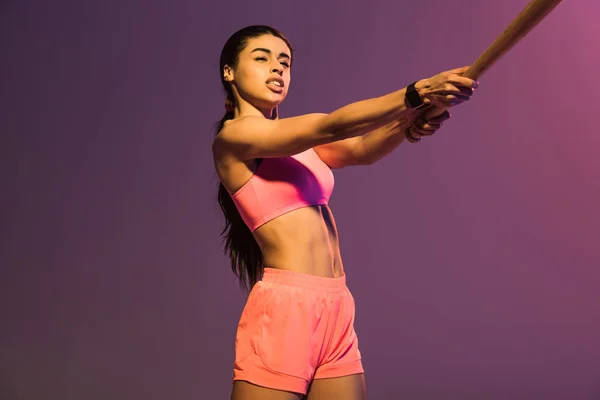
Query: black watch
413	98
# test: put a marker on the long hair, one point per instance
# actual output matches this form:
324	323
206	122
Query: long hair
238	241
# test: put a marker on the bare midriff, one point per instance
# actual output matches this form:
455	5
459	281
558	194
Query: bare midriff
304	240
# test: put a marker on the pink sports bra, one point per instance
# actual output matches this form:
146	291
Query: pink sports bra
281	185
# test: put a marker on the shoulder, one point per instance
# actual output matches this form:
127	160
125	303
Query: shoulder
234	131
235	125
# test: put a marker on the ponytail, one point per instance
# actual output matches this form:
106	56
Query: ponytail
238	241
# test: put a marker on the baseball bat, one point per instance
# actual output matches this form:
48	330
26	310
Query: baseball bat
527	19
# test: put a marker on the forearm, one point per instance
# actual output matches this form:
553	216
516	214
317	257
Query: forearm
365	116
378	143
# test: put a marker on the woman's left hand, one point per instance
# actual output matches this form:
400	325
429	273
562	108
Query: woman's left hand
423	127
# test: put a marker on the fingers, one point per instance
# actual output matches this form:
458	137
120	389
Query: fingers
448	100
466	91
440	118
428	127
451	95
449	90
424	132
455	89
455	81
418	131
445	90
458	80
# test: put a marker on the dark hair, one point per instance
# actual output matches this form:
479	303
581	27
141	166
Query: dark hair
244	252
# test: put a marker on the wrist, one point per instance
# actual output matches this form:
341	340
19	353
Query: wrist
414	99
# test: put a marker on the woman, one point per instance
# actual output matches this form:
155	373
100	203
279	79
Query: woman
296	335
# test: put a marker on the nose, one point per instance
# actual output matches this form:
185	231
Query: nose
277	68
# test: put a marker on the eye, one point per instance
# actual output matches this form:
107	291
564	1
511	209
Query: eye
285	64
261	58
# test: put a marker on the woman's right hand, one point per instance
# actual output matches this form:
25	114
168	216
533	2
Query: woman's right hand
447	89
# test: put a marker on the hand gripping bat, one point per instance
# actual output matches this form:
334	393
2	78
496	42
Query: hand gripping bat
529	17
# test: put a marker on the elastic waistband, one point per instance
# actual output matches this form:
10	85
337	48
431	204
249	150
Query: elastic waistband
292	278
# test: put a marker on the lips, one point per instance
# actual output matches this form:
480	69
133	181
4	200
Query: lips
275	88
276	84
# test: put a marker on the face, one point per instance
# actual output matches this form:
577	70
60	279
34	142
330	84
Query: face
262	76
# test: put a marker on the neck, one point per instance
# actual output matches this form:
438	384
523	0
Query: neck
243	109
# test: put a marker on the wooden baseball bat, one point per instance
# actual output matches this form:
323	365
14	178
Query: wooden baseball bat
527	19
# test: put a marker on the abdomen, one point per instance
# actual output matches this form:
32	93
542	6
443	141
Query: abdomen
304	240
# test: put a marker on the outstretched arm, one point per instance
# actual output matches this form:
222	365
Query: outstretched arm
381	140
379	119
374	145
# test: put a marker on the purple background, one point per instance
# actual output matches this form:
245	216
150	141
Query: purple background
473	256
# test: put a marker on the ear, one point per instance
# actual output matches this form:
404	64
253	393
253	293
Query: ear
228	73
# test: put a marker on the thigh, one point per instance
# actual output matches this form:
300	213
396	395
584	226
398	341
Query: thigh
243	390
350	387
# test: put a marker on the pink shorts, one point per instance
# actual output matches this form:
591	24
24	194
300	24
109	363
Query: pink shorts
295	328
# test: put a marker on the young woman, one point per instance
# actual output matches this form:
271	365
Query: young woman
296	337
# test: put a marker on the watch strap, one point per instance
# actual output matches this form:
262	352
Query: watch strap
413	98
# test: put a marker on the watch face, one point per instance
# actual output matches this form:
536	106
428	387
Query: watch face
414	99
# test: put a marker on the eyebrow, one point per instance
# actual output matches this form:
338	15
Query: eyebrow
284	55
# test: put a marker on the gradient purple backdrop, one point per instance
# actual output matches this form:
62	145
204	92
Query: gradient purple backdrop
473	256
